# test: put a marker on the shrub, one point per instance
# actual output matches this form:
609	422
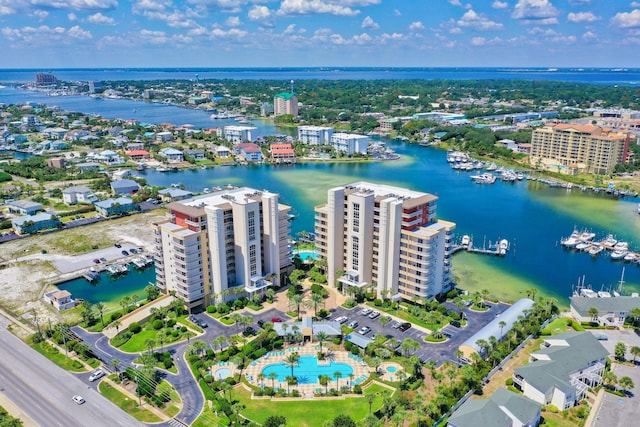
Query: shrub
135	327
377	302
116	315
238	304
509	381
175	333
167	363
337	340
258	353
355	350
211	308
230	380
157	324
553	409
183	329
171	323
357	389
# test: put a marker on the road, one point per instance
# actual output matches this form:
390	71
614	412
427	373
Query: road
43	390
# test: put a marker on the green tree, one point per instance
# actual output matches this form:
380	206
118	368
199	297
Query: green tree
384	321
272	377
370	399
343	421
292	360
593	312
337	375
321	337
296	300
635	351
502	324
626	383
100	308
275	421
324	380
620	350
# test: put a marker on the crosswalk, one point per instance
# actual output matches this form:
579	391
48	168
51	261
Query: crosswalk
174	422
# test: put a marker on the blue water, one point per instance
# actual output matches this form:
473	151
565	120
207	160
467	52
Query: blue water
391	369
222	373
606	76
307	255
307	370
111	289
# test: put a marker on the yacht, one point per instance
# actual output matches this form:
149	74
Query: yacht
484	178
587	236
503	246
466	240
631	257
621	246
595	249
609	241
582	246
571	241
618	254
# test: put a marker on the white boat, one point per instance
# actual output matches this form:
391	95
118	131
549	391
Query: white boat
484	178
621	246
618	254
604	294
520	176
595	249
638	208
571	241
583	246
586	236
503	246
610	241
588	293
492	166
630	257
466	240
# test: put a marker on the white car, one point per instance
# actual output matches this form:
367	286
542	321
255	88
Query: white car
95	375
364	330
365	311
353	324
374	314
342	319
78	399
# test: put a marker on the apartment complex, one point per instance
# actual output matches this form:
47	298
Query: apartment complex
386	238
350	143
285	103
564	368
223	244
239	134
571	148
315	135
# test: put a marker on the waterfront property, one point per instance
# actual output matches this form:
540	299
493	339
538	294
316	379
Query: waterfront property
285	103
315	135
78	194
31	223
229	239
561	372
387	237
497	328
502	408
570	148
350	143
24	207
238	134
117	206
124	186
610	311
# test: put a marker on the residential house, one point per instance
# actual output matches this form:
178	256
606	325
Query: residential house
125	186
172	155
61	300
164	136
109	157
56	162
222	151
78	194
611	311
250	151
54	133
564	368
88	166
31	223
133	146
117	206
121	174
138	155
24	207
76	134
282	153
503	408
174	194
197	154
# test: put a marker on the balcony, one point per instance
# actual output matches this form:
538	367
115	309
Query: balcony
352	278
257	284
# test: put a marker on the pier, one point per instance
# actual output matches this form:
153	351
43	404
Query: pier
584	242
500	248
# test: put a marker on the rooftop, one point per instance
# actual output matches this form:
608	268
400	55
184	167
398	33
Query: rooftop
285	95
617	304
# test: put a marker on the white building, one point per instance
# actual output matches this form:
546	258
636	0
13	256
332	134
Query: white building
78	194
385	237
350	143
238	134
315	135
172	155
228	240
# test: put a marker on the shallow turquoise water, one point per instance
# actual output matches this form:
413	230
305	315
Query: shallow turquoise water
307	255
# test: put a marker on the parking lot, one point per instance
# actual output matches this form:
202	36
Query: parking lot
79	262
438	352
620	411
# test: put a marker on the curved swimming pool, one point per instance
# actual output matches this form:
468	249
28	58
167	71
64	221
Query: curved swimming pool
307	370
307	255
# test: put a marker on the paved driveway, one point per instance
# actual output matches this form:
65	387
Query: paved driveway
84	261
620	411
626	336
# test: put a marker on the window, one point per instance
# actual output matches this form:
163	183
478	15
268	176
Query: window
253	265
356	217
251	222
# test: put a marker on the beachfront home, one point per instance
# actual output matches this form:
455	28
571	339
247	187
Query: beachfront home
196	153
174	194
350	143
88	167
124	186
24	207
172	155
222	151
564	368
118	206
611	311
32	223
61	300
250	151
238	134
164	136
282	153
138	155
315	135
54	133
503	408
78	194
109	157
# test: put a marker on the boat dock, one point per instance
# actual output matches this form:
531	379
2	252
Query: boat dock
584	242
499	248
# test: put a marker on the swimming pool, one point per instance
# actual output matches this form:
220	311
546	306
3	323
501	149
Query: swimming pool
391	369
307	370
307	255
222	373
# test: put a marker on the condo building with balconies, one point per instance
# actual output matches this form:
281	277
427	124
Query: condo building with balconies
222	245
386	238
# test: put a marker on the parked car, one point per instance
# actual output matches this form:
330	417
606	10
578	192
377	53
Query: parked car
353	324
202	323
342	319
118	245
125	253
374	314
103	259
260	323
276	320
95	375
249	332
601	337
364	330
365	311
133	250
78	399
96	260
455	323
404	326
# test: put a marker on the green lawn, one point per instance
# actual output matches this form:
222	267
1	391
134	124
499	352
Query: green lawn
308	413
52	353
128	405
137	343
405	315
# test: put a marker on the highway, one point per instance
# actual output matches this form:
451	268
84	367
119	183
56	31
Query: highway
44	391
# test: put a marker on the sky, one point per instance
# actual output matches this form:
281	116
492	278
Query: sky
316	33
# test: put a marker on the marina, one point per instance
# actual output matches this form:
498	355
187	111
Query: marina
498	248
584	242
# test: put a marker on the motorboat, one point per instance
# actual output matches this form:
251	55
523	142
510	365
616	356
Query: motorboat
571	241
465	240
630	257
503	246
582	246
595	249
586	236
618	254
484	178
621	246
609	241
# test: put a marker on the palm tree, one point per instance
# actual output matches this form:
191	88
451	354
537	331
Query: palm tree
116	324
99	306
485	295
149	343
337	375
272	377
321	336
197	347
384	321
593	312
370	398
635	351
261	377
635	312
502	324
315	300
458	355
236	408
115	364
270	294
296	300
351	377
610	379
285	326
324	380
292	360
124	303
626	383
236	317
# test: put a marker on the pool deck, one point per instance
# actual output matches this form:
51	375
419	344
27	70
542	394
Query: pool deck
386	374
361	370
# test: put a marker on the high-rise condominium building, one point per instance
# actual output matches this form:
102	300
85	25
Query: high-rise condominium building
285	103
222	245
387	238
571	148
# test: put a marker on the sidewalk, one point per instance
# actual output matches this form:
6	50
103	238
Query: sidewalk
16	412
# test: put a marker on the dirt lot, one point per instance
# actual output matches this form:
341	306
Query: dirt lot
26	273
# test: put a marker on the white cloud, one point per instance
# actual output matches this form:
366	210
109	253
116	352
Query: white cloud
635	4
416	26
396	12
500	4
291	28
478	41
471	19
233	33
590	35
78	33
332	7
45	35
535	10
259	13
368	22
627	19
233	21
72	17
40	14
99	18
581	17
76	4
548	32
154	37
